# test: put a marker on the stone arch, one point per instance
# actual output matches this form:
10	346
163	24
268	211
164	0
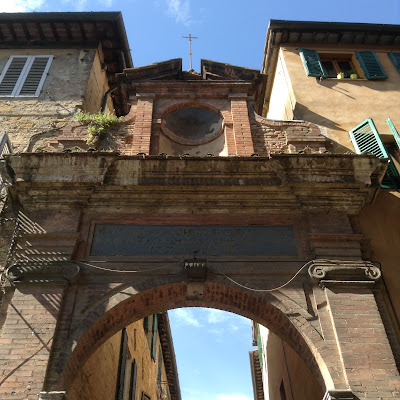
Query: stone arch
123	309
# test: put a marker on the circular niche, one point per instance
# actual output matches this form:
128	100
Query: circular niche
192	125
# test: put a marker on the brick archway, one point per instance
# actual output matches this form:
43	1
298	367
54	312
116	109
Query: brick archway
125	307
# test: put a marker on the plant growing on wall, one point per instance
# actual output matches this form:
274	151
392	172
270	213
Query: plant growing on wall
97	125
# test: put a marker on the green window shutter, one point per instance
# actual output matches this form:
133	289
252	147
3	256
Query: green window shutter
392	171
312	63
395	58
154	338
365	139
159	370
394	131
370	64
123	355
146	324
260	354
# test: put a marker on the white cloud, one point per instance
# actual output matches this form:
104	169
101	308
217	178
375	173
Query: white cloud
180	10
217	332
184	315
106	3
79	5
216	316
235	396
20	5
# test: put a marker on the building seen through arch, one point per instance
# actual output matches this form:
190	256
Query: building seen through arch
271	194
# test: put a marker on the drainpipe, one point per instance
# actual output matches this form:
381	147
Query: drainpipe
105	98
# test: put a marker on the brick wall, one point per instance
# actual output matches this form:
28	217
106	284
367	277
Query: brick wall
26	339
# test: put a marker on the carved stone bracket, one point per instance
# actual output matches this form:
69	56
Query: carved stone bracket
52	396
196	270
339	395
41	272
327	272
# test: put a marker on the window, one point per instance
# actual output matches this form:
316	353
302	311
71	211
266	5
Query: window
122	367
336	63
327	65
159	369
260	353
24	76
133	385
154	338
366	139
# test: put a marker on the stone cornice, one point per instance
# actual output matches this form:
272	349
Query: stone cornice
281	183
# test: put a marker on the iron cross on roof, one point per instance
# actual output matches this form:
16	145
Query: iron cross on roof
190	37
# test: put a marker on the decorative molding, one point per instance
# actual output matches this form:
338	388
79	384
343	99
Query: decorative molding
339	272
41	272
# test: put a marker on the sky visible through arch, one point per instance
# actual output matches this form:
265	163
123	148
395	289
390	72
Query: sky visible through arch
229	31
212	352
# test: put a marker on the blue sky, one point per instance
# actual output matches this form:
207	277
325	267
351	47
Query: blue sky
211	349
231	31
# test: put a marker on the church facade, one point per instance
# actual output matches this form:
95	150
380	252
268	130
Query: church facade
195	196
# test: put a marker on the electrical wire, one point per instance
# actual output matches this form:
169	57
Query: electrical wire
267	290
307	264
124	271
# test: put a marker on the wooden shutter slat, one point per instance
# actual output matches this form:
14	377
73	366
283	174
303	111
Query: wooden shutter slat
312	63
394	132
366	139
370	64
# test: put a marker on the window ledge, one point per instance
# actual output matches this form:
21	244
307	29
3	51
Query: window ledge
343	79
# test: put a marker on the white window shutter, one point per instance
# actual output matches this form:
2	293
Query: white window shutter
24	75
12	75
35	76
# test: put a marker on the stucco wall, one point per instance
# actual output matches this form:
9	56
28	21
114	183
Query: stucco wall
282	97
376	223
282	366
340	105
97	379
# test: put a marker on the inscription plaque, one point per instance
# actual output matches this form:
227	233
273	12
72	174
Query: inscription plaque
188	240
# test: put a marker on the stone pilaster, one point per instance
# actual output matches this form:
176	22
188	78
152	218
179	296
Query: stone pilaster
366	355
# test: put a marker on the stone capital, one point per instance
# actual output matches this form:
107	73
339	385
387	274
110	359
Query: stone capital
42	272
329	272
